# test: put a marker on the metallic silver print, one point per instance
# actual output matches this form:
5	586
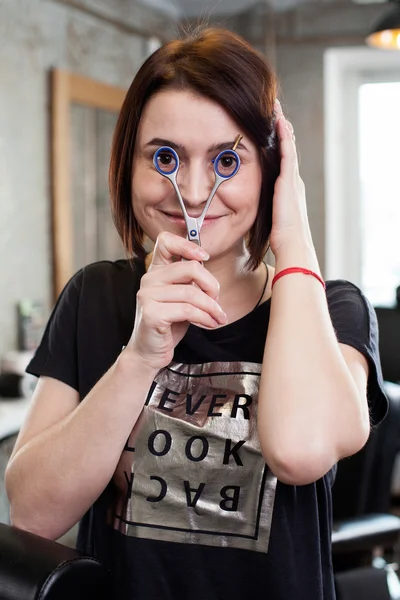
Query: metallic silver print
192	470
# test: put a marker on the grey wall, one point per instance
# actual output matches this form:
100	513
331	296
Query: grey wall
106	40
303	35
295	42
99	39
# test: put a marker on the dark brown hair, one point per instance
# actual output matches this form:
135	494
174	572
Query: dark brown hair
219	65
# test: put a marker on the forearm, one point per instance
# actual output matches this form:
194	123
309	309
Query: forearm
56	477
310	410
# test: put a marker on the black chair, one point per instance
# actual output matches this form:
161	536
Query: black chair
34	568
363	527
389	340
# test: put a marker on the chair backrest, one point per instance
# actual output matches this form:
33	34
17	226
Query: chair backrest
33	568
363	481
350	492
389	342
366	583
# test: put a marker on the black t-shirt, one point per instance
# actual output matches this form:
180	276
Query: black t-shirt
192	511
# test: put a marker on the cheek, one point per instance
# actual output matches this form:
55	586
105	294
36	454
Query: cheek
148	188
243	195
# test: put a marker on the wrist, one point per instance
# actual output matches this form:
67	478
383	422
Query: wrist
130	361
297	270
297	255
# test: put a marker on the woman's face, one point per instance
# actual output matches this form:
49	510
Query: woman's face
198	129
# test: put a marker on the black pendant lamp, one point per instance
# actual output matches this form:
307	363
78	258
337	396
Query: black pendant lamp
386	32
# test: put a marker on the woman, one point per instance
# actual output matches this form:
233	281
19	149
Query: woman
200	457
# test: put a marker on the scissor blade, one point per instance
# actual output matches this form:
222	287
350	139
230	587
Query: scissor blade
200	220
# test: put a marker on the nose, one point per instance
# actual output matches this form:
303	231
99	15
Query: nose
195	182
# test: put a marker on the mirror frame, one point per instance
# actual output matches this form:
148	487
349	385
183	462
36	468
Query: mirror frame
68	88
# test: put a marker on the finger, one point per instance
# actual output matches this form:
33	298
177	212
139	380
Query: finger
191	295
278	109
170	246
287	145
182	272
161	318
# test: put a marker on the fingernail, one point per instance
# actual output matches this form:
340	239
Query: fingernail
202	253
221	311
278	107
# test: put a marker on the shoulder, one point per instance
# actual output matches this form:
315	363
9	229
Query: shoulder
101	283
347	301
106	276
342	286
342	292
104	270
353	317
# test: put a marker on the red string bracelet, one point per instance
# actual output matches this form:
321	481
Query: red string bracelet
297	270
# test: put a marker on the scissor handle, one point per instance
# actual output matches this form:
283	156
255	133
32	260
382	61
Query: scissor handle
228	175
194	225
193	230
169	173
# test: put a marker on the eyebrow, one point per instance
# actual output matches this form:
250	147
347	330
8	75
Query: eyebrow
179	147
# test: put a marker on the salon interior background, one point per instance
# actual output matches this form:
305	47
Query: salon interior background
107	40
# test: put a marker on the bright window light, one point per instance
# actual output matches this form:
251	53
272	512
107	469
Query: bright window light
379	128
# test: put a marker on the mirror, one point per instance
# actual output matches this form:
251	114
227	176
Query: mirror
84	113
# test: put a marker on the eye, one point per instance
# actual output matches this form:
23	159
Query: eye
226	163
165	160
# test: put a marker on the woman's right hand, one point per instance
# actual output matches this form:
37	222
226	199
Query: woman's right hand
167	302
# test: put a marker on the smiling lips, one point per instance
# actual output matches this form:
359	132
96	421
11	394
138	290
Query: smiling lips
178	218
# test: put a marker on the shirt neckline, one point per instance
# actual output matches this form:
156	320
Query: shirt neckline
234	328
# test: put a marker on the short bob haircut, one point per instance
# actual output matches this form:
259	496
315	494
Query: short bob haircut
223	67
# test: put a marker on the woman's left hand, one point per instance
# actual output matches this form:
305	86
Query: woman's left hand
289	212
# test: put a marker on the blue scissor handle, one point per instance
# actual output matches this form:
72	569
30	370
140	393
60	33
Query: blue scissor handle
166	149
216	160
193	225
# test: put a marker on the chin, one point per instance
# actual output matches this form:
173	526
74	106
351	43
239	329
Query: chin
217	252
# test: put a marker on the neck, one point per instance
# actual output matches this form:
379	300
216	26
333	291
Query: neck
240	288
229	270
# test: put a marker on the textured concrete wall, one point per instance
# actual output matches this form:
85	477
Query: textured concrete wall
300	73
295	42
302	37
35	36
103	39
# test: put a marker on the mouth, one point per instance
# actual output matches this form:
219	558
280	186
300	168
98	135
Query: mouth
178	219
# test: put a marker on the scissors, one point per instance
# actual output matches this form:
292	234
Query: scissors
226	165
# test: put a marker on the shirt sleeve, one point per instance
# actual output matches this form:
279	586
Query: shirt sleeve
56	355
355	324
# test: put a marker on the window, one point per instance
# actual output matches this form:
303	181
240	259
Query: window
362	166
379	164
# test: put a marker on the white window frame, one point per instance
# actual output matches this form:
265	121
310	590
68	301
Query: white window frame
345	69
